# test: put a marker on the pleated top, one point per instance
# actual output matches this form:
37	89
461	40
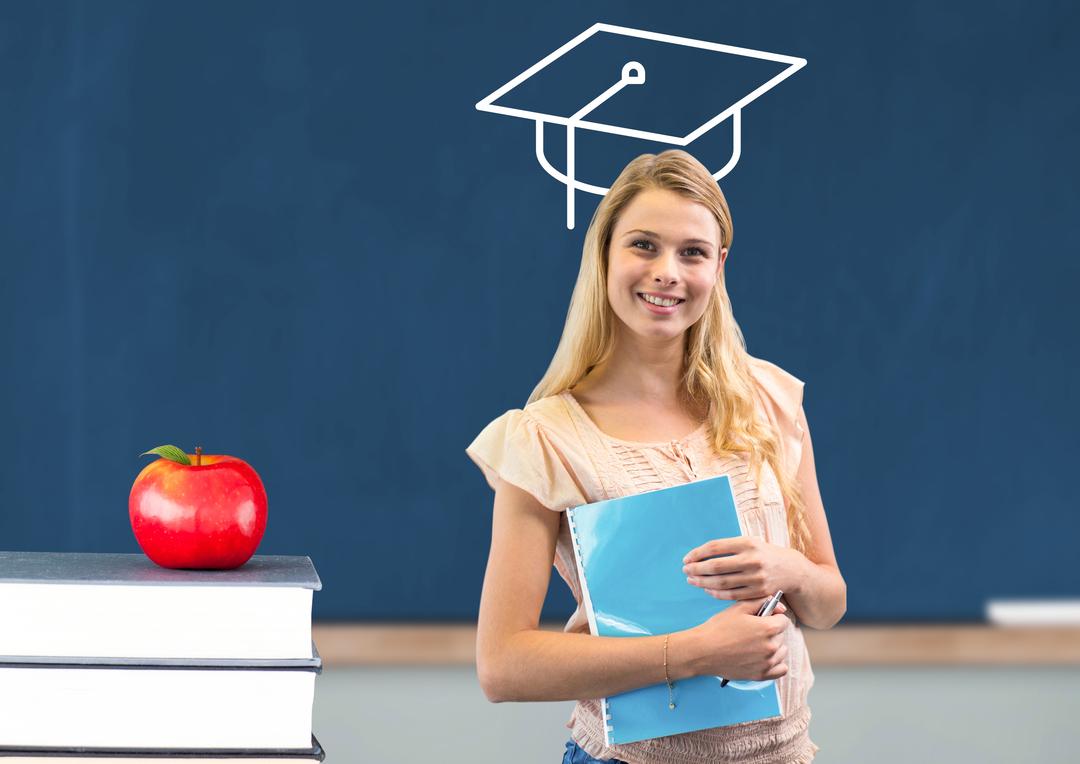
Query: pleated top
553	450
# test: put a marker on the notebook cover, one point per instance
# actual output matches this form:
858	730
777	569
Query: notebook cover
136	569
629	553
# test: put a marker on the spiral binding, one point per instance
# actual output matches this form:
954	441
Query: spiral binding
573	535
605	709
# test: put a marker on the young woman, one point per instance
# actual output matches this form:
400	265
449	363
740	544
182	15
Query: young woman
651	386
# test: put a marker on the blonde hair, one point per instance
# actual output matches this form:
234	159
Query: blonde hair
716	366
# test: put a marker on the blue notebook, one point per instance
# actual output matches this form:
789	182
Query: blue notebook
629	555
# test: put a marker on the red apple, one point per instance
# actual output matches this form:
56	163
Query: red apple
205	511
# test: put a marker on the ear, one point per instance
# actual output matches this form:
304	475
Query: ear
723	257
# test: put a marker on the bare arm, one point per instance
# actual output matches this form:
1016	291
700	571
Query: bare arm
517	661
820	599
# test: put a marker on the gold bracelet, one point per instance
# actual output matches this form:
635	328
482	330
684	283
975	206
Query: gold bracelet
670	687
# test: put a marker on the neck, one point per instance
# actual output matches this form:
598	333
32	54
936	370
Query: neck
644	369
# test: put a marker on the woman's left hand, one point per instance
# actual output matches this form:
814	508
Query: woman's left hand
753	568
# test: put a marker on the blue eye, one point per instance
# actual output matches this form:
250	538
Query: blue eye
634	244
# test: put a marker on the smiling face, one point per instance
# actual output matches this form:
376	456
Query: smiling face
664	245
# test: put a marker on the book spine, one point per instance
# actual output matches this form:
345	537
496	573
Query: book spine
579	560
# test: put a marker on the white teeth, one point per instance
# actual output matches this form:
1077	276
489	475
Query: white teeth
659	301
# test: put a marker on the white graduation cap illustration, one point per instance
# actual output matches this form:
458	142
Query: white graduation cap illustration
618	80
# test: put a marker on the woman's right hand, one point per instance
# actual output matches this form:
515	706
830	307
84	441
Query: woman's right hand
739	644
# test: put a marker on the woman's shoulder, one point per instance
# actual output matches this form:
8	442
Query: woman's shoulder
781	392
768	372
782	398
530	448
551	412
778	386
547	419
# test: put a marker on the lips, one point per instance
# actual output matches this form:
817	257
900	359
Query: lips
660	309
681	300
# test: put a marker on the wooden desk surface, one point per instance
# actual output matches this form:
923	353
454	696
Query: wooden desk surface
351	644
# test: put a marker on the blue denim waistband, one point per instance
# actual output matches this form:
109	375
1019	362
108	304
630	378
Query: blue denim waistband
575	754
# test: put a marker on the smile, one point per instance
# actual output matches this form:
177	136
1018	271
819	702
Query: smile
659	301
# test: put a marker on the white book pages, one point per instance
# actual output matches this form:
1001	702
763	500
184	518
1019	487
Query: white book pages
135	621
54	759
148	708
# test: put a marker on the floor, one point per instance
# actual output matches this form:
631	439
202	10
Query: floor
929	715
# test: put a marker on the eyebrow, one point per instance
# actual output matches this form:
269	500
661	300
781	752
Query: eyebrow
657	236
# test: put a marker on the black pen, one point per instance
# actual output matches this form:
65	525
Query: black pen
765	609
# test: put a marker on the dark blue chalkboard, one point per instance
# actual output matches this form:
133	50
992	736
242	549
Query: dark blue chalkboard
283	231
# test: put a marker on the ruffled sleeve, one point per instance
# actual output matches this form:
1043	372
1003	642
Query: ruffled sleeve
781	396
516	448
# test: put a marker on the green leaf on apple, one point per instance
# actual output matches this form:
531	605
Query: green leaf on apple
170	452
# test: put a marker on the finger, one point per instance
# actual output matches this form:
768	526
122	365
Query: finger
724	594
778	623
726	581
743	593
776	671
716	566
750	606
716	546
739	594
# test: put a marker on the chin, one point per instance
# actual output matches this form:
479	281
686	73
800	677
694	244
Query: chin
658	332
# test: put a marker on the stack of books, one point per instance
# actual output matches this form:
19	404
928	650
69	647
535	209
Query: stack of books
109	657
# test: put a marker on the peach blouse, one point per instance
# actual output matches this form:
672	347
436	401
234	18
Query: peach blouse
553	450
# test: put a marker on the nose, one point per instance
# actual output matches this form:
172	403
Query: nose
665	268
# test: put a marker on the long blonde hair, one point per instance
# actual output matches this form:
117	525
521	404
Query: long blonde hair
716	367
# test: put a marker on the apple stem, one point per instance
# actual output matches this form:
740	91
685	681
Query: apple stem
198	456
